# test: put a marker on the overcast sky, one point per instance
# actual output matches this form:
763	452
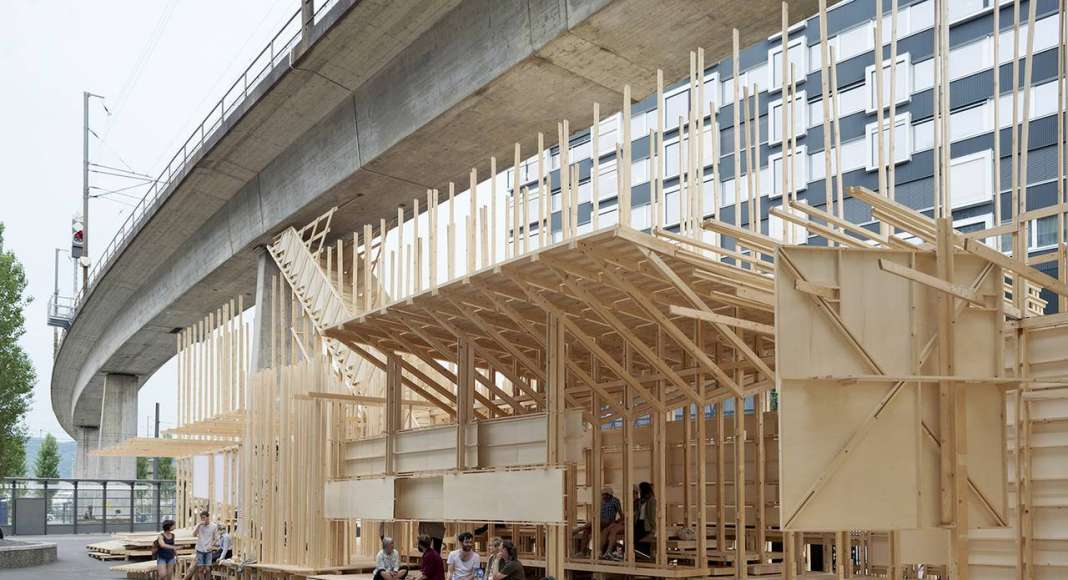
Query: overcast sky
160	64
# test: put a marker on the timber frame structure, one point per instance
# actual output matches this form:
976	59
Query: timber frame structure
838	401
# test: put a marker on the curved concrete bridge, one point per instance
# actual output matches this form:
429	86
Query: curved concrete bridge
379	101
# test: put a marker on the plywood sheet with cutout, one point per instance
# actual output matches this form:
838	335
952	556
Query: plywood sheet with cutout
859	455
529	495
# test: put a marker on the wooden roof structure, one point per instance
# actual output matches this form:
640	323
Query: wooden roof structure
630	304
153	447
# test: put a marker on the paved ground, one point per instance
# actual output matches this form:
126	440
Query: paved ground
71	563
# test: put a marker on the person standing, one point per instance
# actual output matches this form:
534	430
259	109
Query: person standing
512	568
207	534
465	561
166	552
430	564
387	562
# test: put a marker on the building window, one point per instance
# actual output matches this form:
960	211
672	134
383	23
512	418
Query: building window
676	105
902	141
962	9
902	84
798	59
1043	233
971	179
855	41
607	137
800	171
775	119
972	224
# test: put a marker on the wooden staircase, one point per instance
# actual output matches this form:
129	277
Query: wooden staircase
297	254
1041	510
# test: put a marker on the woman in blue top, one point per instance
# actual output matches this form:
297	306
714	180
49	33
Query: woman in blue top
165	551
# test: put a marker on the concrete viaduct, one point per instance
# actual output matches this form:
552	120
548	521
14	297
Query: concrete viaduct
378	101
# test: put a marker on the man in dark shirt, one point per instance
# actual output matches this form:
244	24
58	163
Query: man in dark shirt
430	564
512	569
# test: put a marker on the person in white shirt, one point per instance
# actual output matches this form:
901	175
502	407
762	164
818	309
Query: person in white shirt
387	562
463	563
207	534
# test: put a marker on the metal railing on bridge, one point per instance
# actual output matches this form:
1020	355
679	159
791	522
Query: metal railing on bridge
32	506
274	53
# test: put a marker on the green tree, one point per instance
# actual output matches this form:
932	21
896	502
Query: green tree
16	371
166	468
47	463
144	468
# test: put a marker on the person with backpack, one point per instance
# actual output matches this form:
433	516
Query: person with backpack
165	551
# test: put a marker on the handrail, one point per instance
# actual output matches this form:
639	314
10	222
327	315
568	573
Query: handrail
275	52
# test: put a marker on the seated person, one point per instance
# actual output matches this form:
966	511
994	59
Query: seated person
612	527
430	564
387	562
645	520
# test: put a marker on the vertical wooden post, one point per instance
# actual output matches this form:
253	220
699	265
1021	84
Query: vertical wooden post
451	233
432	235
596	456
556	373
465	390
702	450
741	558
624	193
472	222
517	192
735	73
492	222
825	101
367	267
545	198
658	141
660	457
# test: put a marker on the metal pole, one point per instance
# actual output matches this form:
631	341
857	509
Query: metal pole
155	460
48	504
133	489
85	191
55	291
75	506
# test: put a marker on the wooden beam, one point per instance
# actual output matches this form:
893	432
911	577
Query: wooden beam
757	327
723	329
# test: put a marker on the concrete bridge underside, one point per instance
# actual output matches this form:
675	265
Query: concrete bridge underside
383	100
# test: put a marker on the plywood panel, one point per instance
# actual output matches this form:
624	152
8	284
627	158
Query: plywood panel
420	498
849	461
432	448
529	495
365	457
359	498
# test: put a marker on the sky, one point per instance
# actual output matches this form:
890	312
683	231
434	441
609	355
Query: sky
160	65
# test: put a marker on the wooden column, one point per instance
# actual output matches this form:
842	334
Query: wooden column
465	394
393	408
556	374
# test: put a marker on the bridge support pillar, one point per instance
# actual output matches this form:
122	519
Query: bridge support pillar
269	309
84	464
118	422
